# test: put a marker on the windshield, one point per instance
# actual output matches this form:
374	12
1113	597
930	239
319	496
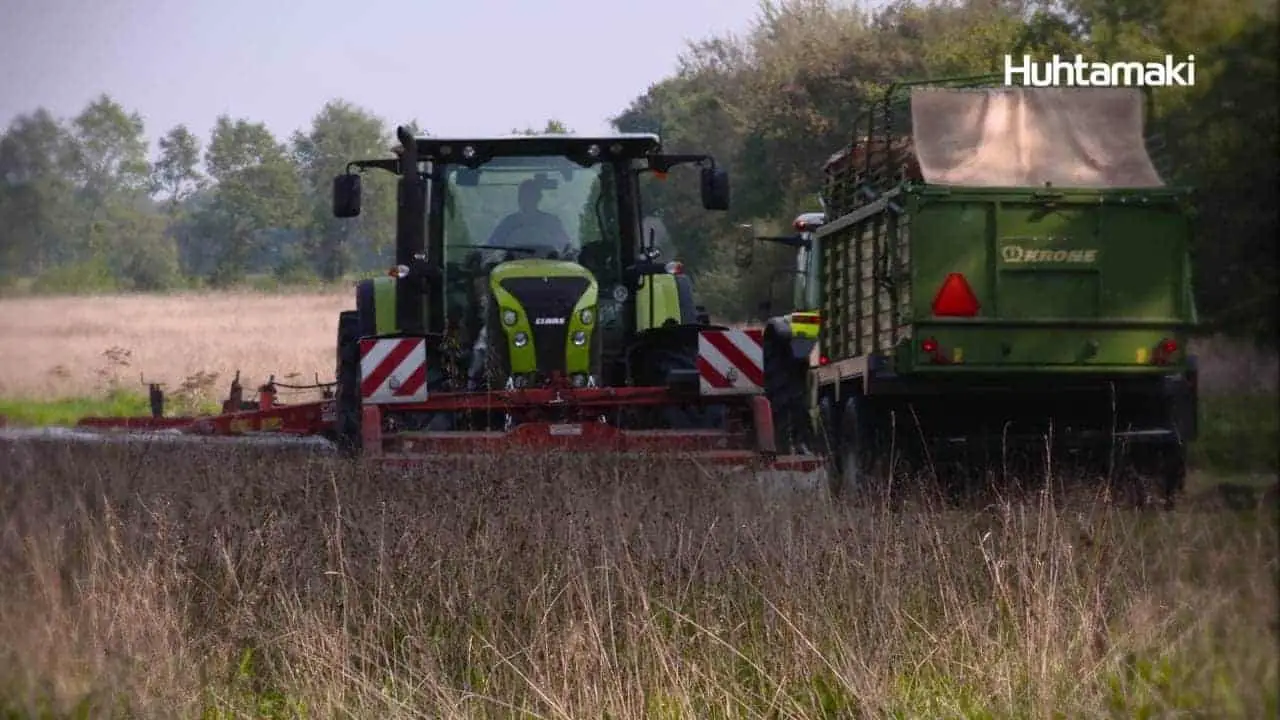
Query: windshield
515	208
527	207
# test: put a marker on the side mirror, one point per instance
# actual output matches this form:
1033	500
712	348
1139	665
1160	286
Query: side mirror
346	195
745	252
715	189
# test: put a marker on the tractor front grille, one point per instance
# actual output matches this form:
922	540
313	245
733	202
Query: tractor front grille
550	297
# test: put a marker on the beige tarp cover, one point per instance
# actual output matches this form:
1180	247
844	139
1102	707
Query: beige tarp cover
1020	137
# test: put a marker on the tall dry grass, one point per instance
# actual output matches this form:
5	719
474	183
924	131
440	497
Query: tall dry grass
175	582
55	347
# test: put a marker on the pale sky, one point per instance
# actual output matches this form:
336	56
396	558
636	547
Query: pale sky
466	67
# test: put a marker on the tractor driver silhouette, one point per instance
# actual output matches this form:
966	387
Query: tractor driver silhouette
530	227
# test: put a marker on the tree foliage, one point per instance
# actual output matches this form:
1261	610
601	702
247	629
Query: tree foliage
82	206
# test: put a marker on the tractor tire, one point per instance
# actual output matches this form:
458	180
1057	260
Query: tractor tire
1163	469
347	411
1172	475
785	386
692	416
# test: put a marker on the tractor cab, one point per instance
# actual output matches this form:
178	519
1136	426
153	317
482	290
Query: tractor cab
527	261
800	276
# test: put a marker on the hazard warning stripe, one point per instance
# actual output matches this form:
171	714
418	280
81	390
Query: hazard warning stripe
393	369
730	361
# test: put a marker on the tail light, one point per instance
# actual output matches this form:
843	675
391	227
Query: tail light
929	346
823	360
1164	352
955	298
806	318
675	267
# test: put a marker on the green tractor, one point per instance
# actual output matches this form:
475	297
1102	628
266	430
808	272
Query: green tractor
791	337
529	304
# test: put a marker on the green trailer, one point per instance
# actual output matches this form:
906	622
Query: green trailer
1002	269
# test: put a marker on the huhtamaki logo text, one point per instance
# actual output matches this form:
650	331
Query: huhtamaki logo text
1057	72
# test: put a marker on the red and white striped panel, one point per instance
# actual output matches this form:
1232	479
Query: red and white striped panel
731	362
393	370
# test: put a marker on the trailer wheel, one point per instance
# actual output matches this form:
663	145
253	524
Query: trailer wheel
1171	473
347	431
825	441
854	449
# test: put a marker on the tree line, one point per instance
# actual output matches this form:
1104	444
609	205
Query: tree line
82	207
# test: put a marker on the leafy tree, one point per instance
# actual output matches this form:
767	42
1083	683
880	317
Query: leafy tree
176	174
35	194
258	189
340	133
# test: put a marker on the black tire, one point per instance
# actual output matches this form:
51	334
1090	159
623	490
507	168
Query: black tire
785	386
686	417
347	430
1170	473
855	449
1160	470
825	440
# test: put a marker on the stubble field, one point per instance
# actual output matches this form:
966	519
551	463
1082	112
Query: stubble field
205	582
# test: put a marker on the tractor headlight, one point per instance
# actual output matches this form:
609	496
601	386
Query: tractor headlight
579	338
586	316
508	317
521	339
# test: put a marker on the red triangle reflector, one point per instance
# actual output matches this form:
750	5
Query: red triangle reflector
955	298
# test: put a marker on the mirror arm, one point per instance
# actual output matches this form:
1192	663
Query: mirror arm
664	163
391	165
788	240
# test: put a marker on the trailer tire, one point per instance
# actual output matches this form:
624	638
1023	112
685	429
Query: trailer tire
346	398
854	449
825	442
1171	474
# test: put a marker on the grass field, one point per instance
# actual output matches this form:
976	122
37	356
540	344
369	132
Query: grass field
200	582
212	584
72	347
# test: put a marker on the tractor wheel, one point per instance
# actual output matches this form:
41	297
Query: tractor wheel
854	449
1173	474
1162	468
347	432
825	442
687	417
784	385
